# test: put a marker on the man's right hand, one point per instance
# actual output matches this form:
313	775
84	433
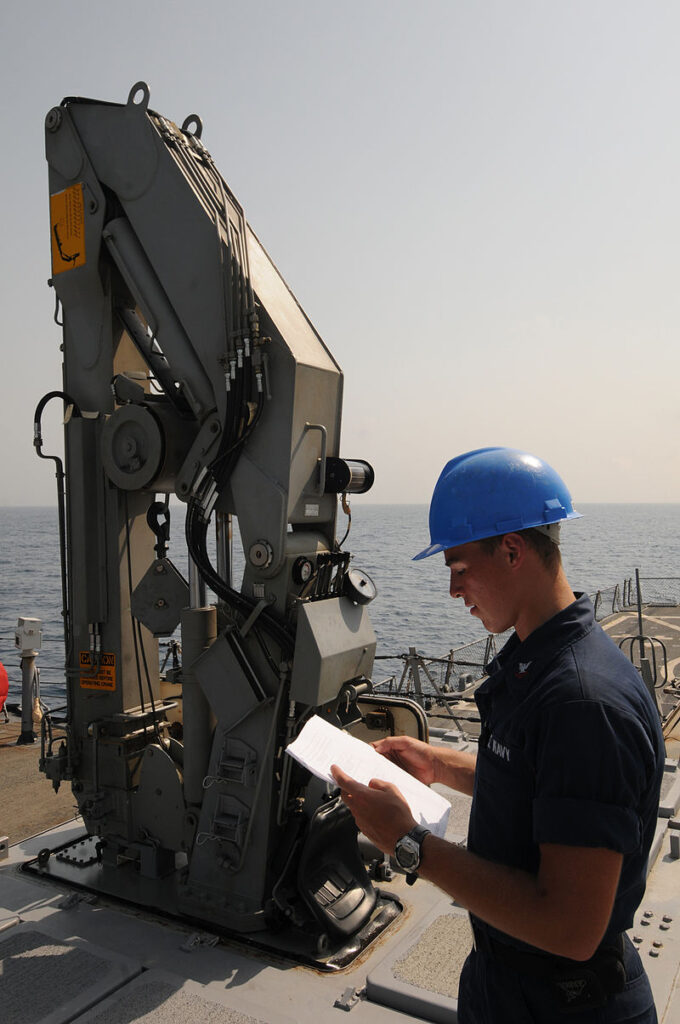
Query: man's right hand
414	756
453	768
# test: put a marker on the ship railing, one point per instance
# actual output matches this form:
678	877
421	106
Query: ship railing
435	682
654	591
659	591
608	601
618	598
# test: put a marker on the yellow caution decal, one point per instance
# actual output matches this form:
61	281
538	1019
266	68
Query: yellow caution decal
102	676
67	228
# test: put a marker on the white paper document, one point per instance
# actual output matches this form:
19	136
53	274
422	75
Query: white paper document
321	744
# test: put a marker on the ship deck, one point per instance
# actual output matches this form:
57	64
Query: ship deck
67	954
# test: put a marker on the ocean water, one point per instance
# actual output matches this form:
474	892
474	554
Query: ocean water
412	606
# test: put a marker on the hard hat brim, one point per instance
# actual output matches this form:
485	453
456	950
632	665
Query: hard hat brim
431	549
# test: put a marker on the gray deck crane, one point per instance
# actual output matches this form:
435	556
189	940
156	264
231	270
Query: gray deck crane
191	370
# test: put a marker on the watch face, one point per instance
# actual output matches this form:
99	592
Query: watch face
407	853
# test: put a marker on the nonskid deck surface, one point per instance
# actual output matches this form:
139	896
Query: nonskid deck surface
66	955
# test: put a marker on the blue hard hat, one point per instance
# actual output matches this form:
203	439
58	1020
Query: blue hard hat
493	491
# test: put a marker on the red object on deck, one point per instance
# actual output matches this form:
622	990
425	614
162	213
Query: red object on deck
4	685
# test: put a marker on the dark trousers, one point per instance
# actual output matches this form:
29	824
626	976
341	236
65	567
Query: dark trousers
492	993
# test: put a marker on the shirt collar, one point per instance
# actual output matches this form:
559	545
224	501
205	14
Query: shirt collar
518	661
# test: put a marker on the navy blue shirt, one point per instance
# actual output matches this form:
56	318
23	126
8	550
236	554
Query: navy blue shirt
571	752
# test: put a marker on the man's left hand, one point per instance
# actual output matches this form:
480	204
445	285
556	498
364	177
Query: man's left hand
379	809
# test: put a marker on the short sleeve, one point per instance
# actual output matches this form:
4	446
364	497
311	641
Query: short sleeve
591	770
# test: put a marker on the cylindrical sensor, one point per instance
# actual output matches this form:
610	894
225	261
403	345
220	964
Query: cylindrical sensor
348	476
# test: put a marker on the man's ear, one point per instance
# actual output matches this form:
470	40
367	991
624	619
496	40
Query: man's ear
514	549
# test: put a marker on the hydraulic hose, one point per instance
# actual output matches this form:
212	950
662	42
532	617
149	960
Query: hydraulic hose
61	502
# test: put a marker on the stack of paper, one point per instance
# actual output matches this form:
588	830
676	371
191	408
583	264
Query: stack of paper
321	744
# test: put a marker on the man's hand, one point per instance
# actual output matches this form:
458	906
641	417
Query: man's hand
379	809
454	768
414	756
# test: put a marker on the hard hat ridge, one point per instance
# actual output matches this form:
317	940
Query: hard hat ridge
492	491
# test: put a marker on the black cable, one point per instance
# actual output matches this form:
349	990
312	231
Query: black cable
348	512
148	683
132	618
236	446
61	504
196	531
265	650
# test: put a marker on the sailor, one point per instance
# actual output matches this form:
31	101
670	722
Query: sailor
565	783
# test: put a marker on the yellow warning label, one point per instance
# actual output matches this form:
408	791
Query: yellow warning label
67	226
102	677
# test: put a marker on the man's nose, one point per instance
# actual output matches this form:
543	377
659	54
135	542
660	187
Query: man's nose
455	588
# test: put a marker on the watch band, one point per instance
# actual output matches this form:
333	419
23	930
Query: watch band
418	832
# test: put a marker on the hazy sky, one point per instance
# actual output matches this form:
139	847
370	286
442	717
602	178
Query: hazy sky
477	202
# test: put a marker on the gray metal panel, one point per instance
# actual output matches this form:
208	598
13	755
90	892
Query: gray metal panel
158	801
304	343
335	643
86	493
223	682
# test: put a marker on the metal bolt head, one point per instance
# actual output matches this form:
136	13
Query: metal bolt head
657	944
53	119
667	918
261	554
648	913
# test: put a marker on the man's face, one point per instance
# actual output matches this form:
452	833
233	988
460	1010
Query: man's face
482	579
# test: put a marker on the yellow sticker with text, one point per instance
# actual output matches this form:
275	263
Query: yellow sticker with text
101	676
67	227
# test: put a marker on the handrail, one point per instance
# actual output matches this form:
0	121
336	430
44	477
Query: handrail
606	601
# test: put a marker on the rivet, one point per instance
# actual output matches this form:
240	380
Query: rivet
649	913
664	927
667	918
654	952
645	921
657	945
637	938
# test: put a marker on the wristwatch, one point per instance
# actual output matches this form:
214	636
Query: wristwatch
407	851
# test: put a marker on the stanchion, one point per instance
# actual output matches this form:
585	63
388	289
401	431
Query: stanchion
28	640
